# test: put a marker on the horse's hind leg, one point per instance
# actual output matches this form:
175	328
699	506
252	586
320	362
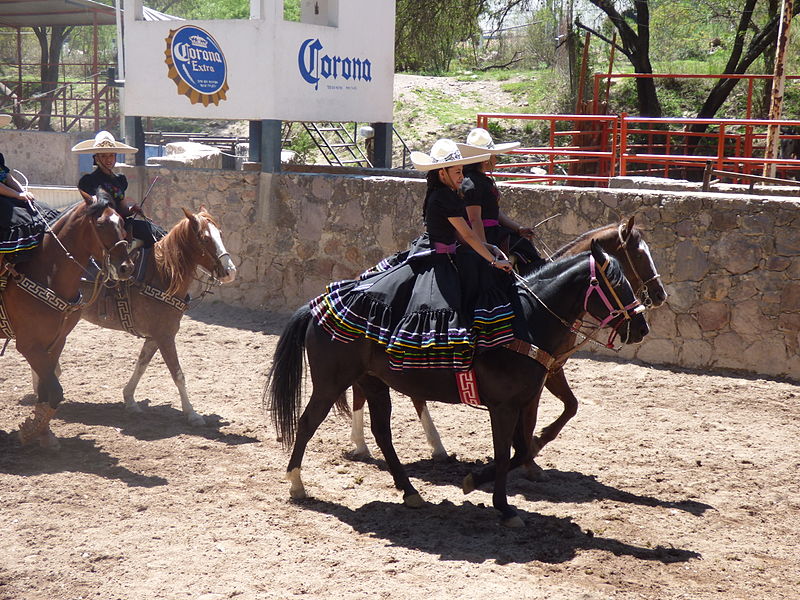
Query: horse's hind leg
170	355
128	392
380	411
438	453
318	407
361	451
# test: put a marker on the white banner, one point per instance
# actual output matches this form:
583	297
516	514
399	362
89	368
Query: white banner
264	68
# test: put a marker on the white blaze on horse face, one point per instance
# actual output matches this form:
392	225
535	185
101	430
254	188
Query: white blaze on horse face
222	254
646	249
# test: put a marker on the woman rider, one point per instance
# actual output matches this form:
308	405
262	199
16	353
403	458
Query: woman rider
104	149
482	199
450	296
22	222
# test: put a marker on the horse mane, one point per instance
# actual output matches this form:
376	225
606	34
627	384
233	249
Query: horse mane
582	238
177	252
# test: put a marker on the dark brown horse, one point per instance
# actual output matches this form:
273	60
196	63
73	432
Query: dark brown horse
508	383
622	240
152	306
41	300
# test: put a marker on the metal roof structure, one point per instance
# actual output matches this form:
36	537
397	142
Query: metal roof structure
40	13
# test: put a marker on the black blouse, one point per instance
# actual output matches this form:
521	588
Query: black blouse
483	193
114	185
441	204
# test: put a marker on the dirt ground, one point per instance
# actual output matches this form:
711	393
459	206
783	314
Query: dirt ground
667	485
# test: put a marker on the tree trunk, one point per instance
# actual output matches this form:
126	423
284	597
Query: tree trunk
49	67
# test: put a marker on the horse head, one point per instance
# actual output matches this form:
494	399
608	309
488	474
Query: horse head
638	265
212	255
610	298
108	238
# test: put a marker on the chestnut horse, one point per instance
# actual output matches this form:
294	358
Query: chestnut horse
40	299
508	383
152	306
622	240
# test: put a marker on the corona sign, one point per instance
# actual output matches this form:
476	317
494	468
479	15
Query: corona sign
314	65
197	65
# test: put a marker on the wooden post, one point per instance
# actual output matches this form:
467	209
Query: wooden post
776	102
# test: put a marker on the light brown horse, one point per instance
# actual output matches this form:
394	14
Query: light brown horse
152	306
622	240
41	300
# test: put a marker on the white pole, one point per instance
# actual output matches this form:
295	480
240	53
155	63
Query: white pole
120	68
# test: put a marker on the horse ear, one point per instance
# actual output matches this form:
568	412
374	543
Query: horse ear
597	251
628	227
187	213
203	208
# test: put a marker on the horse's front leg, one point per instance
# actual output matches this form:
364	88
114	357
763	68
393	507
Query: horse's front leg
557	385
170	355
128	392
49	395
504	422
438	453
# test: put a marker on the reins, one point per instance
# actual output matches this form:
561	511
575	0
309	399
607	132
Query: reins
594	287
642	290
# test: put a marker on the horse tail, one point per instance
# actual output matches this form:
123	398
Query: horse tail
283	391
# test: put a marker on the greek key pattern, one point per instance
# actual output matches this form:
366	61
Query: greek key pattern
467	388
157	294
124	310
5	322
44	294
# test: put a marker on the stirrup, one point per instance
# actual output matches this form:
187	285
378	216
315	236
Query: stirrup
34	426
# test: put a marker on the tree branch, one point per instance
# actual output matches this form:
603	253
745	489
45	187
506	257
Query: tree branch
599	35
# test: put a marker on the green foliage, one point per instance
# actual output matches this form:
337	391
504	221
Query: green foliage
426	33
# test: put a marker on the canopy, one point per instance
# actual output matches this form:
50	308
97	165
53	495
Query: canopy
41	13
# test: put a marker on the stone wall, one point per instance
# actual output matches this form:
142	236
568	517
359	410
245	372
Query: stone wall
731	264
44	157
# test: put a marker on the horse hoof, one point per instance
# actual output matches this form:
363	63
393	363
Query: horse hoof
297	493
49	441
414	501
534	472
469	484
196	420
358	455
133	408
514	522
442	457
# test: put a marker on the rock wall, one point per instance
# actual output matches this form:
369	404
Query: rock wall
44	157
731	264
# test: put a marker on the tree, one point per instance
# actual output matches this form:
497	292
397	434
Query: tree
426	33
51	41
749	43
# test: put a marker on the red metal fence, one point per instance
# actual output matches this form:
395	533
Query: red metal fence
590	149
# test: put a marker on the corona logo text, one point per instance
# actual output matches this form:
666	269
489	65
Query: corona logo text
315	65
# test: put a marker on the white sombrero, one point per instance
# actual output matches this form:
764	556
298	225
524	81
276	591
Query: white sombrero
103	142
479	141
5	120
444	153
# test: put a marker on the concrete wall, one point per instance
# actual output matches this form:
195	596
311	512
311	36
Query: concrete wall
44	157
730	263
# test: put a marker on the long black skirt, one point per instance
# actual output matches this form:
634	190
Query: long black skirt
22	227
428	311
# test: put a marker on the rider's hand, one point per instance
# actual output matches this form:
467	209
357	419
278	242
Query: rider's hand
26	197
525	232
135	209
502	264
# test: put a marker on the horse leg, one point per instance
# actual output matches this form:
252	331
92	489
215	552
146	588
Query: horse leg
503	425
380	411
557	385
145	355
357	426
318	407
35	379
170	355
438	452
49	395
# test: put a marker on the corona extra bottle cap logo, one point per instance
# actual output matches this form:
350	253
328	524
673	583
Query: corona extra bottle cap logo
197	65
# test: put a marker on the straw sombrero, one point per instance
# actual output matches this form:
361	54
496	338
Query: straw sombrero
444	153
103	142
479	141
5	120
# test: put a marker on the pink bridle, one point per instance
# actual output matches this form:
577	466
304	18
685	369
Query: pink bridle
633	308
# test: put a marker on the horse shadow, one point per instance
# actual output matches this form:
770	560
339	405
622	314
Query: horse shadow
235	317
155	423
555	487
77	455
464	533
